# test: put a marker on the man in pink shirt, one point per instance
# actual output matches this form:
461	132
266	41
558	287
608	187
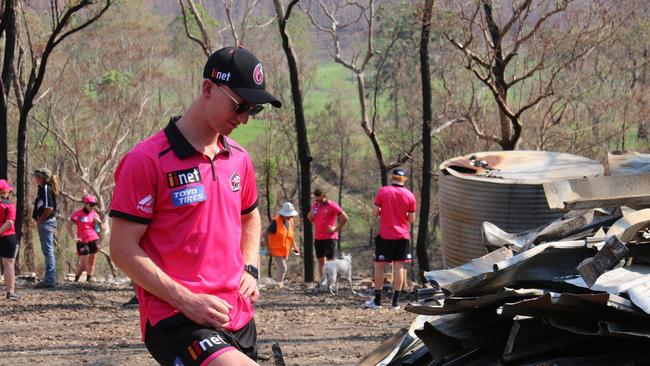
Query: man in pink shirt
395	206
185	226
328	219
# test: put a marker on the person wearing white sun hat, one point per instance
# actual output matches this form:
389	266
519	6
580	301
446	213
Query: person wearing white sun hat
280	238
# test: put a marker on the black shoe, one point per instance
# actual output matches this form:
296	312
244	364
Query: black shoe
44	285
12	296
133	303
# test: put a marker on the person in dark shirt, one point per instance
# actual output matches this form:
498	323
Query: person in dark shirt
45	217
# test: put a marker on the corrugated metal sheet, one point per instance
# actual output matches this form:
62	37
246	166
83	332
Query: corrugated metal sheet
504	188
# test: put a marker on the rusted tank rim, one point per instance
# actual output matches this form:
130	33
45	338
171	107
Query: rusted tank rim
521	167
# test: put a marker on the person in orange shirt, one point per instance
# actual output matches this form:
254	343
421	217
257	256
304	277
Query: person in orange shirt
280	239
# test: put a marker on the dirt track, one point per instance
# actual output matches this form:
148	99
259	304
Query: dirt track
85	325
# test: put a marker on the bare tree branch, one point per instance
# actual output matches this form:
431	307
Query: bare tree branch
205	42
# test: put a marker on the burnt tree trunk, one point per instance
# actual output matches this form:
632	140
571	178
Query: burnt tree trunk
36	77
268	171
341	181
425	192
510	127
301	132
370	132
21	181
9	29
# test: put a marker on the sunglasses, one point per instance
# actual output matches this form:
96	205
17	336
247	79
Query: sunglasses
240	108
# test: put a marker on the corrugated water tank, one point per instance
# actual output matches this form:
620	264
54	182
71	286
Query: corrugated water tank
502	187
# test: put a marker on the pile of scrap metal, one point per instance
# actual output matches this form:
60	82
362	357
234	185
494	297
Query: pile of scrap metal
574	292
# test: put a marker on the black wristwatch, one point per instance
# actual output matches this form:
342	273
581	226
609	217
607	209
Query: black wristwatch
252	270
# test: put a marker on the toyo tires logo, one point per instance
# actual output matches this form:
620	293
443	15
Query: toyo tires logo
187	196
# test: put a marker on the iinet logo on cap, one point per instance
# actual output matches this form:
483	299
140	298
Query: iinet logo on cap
223	76
146	204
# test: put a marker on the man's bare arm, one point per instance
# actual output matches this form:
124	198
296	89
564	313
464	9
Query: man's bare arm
130	258
410	217
68	226
342	220
250	248
47	211
6	226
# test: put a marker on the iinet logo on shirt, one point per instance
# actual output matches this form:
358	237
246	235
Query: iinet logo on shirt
146	204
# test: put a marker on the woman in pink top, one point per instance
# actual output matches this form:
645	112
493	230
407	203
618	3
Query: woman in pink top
8	242
88	227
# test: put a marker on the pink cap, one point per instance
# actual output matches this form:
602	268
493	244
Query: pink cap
89	199
5	186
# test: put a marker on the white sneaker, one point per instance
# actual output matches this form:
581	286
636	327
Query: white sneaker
370	304
395	307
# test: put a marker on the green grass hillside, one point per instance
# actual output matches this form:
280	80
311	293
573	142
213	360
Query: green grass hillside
329	78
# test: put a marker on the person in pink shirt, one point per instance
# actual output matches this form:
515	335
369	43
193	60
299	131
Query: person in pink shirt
185	223
8	242
328	219
395	206
87	236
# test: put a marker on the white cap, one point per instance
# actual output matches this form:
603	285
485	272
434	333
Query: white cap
288	210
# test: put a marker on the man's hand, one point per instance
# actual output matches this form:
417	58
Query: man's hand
248	287
207	310
331	229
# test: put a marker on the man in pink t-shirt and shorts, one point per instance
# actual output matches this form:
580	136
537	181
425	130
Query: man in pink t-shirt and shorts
328	219
185	225
395	206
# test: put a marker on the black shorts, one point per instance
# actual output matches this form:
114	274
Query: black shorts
87	248
325	248
392	250
177	338
8	246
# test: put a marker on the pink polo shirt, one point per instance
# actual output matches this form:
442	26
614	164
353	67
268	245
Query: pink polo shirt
85	225
395	202
193	207
7	212
325	216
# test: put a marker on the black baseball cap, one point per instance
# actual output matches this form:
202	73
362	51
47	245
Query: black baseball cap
399	172
240	70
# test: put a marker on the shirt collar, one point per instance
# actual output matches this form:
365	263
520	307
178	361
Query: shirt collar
181	147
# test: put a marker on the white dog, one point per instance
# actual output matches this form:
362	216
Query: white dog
332	270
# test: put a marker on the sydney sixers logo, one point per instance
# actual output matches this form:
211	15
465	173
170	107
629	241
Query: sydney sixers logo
235	182
258	74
